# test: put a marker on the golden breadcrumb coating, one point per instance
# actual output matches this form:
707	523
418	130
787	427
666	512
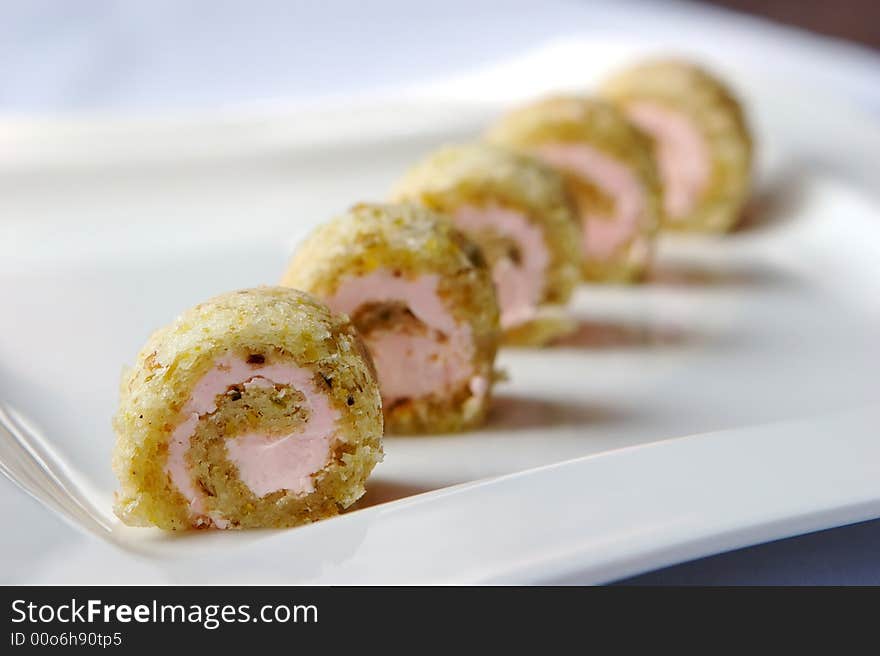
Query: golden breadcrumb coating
265	324
410	240
598	125
486	175
705	101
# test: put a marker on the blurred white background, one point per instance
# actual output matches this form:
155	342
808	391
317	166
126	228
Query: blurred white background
166	55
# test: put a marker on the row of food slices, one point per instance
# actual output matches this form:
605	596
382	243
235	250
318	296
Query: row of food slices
267	407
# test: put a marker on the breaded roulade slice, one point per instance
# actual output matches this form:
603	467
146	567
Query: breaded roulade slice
421	295
257	408
610	173
518	211
701	140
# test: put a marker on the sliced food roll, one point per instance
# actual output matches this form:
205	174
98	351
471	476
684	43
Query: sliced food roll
610	174
520	214
257	408
422	296
700	137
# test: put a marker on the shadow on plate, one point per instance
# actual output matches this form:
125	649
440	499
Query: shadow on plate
692	274
379	491
606	335
509	413
775	203
515	413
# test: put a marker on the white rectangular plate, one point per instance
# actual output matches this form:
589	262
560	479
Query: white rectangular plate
761	346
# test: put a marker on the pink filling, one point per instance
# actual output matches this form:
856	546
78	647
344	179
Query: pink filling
602	235
681	154
519	285
265	464
412	365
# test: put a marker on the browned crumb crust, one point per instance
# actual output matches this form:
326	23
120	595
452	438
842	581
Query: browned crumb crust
579	119
410	240
261	325
481	175
685	88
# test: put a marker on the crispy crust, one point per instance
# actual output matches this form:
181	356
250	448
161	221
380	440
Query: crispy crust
576	119
683	87
484	174
289	325
413	240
